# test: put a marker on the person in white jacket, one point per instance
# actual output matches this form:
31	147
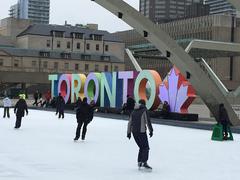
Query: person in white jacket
7	103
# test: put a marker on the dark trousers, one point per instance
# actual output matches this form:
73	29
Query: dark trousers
35	101
61	114
84	131
6	112
142	142
18	122
225	129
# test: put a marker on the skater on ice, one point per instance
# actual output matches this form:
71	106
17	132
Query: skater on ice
19	110
60	105
138	121
7	103
83	118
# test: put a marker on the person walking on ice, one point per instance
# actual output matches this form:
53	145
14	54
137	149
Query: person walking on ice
138	120
7	103
82	115
19	110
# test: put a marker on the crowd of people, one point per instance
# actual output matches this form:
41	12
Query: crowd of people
139	119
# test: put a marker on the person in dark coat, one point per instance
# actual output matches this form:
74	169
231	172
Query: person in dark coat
165	109
224	120
61	107
78	102
35	96
19	110
82	115
59	100
130	105
92	108
138	121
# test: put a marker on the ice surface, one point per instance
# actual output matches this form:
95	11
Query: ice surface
43	149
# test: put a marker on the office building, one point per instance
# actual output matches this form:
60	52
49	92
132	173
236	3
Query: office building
161	11
221	7
35	10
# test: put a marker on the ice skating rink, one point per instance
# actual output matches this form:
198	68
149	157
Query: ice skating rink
43	149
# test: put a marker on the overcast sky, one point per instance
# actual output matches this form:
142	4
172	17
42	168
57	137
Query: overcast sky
78	12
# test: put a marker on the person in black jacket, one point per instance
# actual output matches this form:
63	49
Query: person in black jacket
82	115
61	107
130	105
137	126
224	120
19	110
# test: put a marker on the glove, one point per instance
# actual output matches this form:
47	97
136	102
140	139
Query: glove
129	136
151	134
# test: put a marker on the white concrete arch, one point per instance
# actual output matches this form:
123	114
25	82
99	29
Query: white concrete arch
206	88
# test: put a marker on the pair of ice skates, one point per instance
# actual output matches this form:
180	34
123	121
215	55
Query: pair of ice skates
144	166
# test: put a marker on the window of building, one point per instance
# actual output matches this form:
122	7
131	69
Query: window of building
1	62
86	57
88	46
48	43
97	47
86	67
58	44
34	63
78	36
106	68
44	54
66	66
105	58
68	45
45	64
78	45
96	67
106	47
59	34
16	63
98	37
66	55
76	67
115	68
55	65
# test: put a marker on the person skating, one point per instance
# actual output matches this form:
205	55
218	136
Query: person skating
61	107
82	115
58	102
138	120
7	103
35	96
19	110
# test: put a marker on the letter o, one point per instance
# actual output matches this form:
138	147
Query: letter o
141	81
64	86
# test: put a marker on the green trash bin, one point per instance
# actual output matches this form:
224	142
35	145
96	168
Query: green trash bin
217	134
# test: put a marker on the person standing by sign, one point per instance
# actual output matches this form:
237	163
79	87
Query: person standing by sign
130	104
19	110
7	103
137	126
224	120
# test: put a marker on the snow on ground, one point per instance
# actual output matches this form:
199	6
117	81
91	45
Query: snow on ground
43	149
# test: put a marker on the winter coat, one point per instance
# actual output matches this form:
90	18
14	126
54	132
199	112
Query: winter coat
20	108
223	116
83	112
91	112
60	103
130	103
7	102
138	120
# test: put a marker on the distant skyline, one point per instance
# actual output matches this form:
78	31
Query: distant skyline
78	12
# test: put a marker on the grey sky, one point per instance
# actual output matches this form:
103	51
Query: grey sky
78	12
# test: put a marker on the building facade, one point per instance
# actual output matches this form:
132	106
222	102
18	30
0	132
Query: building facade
161	11
221	7
35	10
213	27
43	49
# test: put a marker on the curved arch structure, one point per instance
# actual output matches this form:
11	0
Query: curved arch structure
206	88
